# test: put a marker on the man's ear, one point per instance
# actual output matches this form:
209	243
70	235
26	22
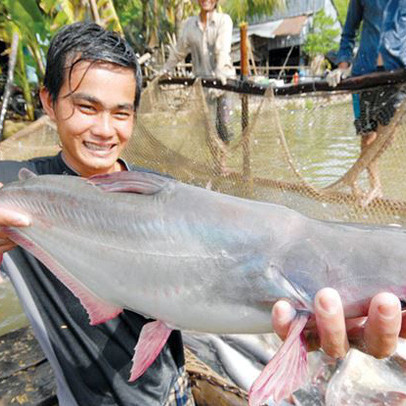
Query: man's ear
47	103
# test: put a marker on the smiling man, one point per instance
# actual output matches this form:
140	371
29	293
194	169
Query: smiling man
91	91
94	122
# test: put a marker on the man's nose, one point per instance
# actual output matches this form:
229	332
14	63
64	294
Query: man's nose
104	125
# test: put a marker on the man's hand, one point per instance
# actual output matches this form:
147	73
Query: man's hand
10	218
376	334
214	94
342	72
222	78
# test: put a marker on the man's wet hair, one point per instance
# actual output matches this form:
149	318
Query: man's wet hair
84	41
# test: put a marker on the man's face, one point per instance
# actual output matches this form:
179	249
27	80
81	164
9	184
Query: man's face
207	5
95	120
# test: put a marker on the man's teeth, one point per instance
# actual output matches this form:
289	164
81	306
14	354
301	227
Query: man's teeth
96	147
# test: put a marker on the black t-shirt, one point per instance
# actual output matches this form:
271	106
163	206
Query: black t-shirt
96	360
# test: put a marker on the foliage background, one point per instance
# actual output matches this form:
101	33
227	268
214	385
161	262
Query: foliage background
323	37
147	24
341	6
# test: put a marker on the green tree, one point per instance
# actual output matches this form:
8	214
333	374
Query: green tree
323	37
106	14
25	18
147	22
342	7
35	20
241	10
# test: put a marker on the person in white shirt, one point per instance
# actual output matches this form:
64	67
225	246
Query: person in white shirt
207	37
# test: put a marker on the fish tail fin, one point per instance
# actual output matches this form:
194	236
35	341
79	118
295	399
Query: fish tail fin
153	337
286	371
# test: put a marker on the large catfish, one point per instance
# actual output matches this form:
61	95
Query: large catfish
193	259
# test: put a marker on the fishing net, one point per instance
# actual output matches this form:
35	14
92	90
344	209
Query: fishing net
297	150
38	139
301	151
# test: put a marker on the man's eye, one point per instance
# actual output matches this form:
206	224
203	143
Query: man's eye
122	114
86	108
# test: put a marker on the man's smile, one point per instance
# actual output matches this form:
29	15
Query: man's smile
98	147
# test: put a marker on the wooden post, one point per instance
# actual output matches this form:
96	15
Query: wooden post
246	144
244	50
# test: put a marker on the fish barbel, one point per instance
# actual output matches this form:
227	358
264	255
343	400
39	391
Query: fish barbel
194	259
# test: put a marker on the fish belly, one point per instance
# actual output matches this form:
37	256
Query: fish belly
157	286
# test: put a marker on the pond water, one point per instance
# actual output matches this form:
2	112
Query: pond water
11	314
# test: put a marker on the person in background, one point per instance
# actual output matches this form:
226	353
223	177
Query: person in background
384	28
207	37
375	108
393	45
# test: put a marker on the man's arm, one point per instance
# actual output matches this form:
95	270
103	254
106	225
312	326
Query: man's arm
345	53
376	335
224	67
352	24
180	51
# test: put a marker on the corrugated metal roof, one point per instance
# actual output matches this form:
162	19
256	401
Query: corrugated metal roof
293	8
291	26
264	30
271	29
288	27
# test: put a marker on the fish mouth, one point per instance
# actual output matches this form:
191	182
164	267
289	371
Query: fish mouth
99	147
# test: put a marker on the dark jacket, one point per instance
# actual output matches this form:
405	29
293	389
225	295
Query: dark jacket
95	360
383	30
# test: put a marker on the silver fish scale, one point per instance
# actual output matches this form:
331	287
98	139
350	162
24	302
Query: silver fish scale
201	260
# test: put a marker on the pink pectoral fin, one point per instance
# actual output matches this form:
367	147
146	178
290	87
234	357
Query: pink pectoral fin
286	371
150	343
97	310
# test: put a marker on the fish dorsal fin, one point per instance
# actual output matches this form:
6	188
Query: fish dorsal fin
145	183
24	174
